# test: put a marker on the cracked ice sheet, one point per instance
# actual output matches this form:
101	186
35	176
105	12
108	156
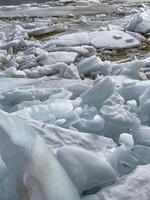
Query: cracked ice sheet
113	39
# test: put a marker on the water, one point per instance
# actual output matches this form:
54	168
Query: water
16	2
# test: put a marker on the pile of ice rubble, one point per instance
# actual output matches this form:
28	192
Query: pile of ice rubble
66	138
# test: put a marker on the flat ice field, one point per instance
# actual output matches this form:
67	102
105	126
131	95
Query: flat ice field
75	100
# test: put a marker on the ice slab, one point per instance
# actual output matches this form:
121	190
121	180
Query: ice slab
95	170
113	40
99	92
142	154
57	137
26	156
94	64
133	90
73	39
139	22
56	57
129	69
141	135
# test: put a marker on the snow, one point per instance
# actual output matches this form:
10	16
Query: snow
133	187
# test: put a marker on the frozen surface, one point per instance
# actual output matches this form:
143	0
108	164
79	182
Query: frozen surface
74	100
132	187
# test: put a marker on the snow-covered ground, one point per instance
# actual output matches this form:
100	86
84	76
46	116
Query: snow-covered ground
74	100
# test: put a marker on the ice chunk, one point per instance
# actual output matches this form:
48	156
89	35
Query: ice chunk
113	40
114	99
72	39
7	184
122	160
129	69
47	30
132	187
127	140
94	64
133	90
57	137
95	125
37	173
51	111
13	72
78	89
142	154
139	22
19	95
95	171
133	105
144	101
69	71
141	135
118	120
56	57
99	92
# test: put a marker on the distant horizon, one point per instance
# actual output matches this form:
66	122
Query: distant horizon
17	2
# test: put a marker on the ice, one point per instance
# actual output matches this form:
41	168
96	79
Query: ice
31	163
99	92
113	40
127	140
114	99
7	184
90	197
133	90
74	101
51	111
141	136
96	171
60	69
47	30
144	102
133	105
94	64
13	72
56	57
129	69
73	39
18	95
142	154
122	160
95	125
139	22
57	137
78	89
118	120
133	187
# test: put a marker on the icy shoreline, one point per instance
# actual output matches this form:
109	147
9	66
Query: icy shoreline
74	101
